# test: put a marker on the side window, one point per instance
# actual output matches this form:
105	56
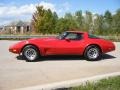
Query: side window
74	36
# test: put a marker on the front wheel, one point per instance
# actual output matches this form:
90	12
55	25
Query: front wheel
92	53
30	53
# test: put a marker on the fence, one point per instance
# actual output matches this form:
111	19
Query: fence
24	36
20	37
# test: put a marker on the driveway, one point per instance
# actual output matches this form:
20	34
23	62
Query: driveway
17	73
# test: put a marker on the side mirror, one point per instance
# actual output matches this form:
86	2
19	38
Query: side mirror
67	39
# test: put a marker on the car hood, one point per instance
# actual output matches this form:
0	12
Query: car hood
42	39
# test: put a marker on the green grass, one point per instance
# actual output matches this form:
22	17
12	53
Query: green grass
112	83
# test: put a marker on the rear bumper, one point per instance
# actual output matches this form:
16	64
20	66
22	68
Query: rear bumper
109	48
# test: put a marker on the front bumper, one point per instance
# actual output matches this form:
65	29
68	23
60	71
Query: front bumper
14	50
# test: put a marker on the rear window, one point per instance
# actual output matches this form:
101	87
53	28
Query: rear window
93	36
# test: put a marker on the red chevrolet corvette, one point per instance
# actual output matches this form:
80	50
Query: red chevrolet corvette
68	43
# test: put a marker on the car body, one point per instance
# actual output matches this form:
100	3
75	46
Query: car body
68	43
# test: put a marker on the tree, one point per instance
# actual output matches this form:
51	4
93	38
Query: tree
107	21
98	24
108	17
47	22
88	20
62	25
79	19
44	20
116	22
71	22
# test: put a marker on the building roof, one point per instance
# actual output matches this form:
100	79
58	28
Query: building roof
19	23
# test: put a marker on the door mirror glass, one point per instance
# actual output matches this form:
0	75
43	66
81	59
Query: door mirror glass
67	39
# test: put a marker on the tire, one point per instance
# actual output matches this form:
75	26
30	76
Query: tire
30	53
92	53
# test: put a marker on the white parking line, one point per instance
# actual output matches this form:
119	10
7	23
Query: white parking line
69	83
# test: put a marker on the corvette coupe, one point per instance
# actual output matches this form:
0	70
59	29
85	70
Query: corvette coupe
68	43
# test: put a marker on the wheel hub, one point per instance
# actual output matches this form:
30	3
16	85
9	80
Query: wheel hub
92	53
30	54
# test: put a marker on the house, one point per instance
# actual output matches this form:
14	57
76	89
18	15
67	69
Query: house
18	27
1	29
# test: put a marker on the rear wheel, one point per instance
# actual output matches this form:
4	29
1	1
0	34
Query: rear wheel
92	53
30	53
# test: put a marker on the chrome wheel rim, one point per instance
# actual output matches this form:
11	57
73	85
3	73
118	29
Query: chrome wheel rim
93	53
30	54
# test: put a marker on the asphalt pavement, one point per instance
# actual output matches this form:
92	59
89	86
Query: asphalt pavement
16	73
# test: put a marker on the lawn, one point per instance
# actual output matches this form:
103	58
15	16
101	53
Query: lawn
111	83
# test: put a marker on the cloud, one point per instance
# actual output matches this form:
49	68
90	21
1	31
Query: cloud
63	8
12	12
9	13
66	6
23	10
47	5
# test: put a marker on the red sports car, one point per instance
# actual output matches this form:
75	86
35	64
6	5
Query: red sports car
68	43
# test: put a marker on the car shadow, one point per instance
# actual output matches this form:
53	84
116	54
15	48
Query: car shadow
107	56
55	58
66	58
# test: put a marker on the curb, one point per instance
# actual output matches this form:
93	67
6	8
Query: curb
69	83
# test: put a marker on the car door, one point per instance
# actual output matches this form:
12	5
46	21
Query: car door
70	45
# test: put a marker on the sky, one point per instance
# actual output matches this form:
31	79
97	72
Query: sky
14	10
